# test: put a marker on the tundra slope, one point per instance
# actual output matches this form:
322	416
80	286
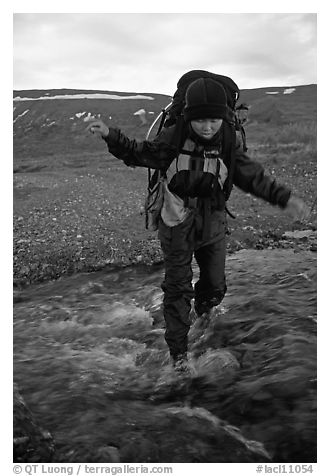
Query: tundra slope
76	208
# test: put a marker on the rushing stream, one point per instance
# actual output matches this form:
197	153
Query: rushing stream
91	362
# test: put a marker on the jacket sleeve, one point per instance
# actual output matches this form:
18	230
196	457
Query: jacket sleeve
155	154
250	177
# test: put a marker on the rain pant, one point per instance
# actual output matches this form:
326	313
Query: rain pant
180	244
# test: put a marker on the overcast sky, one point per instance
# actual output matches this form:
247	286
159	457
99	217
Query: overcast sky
148	52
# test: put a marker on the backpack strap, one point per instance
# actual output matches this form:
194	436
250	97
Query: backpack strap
179	134
230	141
161	124
231	151
239	127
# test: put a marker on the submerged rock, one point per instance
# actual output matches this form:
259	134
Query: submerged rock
215	363
31	442
181	434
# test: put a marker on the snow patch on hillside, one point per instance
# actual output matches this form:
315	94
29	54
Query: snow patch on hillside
289	90
21	115
48	124
286	91
140	112
84	96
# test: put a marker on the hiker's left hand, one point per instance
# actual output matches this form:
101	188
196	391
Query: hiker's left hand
97	126
297	209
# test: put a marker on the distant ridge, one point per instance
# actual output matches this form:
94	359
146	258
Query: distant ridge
35	93
44	127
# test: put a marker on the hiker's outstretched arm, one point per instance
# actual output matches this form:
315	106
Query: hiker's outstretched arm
156	154
251	178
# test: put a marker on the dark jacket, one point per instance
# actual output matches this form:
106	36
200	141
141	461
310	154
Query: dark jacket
248	175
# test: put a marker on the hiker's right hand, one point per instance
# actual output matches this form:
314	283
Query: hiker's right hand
97	126
297	209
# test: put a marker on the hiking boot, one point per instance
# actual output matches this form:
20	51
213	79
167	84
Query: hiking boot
202	309
180	363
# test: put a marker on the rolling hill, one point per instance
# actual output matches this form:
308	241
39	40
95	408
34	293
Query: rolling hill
48	122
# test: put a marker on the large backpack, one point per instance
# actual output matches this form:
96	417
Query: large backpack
178	103
173	115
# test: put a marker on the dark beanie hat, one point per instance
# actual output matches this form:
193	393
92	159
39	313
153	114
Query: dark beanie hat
205	99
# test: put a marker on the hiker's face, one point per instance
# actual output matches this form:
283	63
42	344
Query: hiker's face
206	128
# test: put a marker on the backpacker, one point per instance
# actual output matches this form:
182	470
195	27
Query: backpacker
173	115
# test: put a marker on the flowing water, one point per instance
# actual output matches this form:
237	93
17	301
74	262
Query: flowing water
92	365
